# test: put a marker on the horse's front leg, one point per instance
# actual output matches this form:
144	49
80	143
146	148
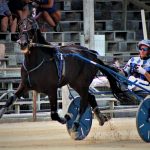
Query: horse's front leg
53	105
20	91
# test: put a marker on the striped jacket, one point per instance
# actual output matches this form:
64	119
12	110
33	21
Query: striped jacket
130	67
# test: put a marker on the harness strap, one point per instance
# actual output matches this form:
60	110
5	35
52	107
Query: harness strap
60	64
118	77
29	71
64	68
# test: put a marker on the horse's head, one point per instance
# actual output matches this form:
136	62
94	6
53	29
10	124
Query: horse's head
27	29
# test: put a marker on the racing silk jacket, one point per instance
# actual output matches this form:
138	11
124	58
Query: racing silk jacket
130	67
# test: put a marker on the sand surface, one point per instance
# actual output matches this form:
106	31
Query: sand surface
117	134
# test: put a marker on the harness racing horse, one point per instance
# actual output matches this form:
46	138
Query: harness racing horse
39	72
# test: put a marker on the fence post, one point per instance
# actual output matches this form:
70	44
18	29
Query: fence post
144	24
88	10
34	104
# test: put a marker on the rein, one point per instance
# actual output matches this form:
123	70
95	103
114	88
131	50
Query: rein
96	64
51	46
42	45
107	69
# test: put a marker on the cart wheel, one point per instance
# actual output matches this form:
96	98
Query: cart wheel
143	120
85	122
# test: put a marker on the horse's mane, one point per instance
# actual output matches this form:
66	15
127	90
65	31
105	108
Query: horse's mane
77	48
64	49
41	38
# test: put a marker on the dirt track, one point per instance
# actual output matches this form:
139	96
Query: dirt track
117	134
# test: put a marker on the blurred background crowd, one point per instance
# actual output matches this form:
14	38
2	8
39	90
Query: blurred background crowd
11	11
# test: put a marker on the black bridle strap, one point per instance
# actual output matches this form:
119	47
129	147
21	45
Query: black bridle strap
53	46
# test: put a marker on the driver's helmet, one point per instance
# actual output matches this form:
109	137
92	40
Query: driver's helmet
144	42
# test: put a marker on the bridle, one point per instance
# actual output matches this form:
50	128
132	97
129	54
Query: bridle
25	27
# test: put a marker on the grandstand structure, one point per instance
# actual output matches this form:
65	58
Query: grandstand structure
118	20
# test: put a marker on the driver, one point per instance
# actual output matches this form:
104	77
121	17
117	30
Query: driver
138	68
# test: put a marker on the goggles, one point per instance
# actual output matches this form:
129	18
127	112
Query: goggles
144	49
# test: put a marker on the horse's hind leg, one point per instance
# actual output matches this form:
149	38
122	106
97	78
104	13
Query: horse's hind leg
83	92
20	91
100	117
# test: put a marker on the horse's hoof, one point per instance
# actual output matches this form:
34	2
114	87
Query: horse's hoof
56	117
2	111
75	126
103	119
74	135
62	120
100	117
68	116
107	118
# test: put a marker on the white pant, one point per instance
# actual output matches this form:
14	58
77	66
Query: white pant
101	81
138	81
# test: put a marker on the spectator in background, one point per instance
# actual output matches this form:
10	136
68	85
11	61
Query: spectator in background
19	10
5	15
48	11
138	68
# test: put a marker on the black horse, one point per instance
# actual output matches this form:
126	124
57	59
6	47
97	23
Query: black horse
39	71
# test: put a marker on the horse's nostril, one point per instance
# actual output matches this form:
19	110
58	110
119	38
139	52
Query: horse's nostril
22	43
25	44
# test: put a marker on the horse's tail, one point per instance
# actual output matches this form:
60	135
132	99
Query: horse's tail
118	90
